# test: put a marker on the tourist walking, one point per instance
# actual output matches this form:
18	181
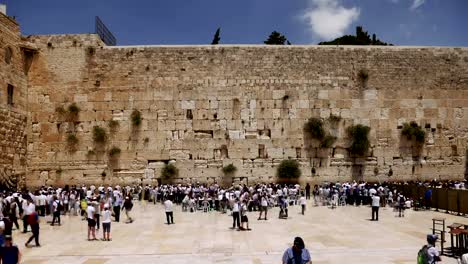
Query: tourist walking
168	208
33	221
297	254
106	223
9	253
56	208
303	202
127	206
375	207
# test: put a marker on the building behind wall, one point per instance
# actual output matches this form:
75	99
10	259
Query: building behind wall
204	107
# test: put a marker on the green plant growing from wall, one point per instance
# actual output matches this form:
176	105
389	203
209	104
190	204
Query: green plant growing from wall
314	127
229	169
146	140
73	109
113	125
59	171
114	151
327	141
413	132
72	140
334	119
359	135
363	77
288	169
99	135
169	171
136	118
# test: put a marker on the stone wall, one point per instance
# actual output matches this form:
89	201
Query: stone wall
208	106
13	117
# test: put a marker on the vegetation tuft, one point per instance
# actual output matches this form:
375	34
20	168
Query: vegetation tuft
136	118
288	169
359	135
169	171
413	132
114	151
99	134
229	169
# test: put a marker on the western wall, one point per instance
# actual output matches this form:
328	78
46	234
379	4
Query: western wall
204	107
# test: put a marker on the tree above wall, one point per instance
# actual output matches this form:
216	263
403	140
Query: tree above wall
361	38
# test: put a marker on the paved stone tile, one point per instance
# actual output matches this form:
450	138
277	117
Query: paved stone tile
342	235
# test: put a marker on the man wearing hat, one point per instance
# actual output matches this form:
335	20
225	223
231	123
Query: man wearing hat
297	254
429	253
9	253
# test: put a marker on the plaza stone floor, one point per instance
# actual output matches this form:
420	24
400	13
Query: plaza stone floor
342	235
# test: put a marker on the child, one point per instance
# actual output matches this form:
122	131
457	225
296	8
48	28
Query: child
106	223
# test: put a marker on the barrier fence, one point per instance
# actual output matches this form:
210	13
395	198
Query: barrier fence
450	200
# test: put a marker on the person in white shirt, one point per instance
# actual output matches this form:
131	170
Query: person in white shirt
106	223
235	214
263	206
168	209
90	212
303	202
375	207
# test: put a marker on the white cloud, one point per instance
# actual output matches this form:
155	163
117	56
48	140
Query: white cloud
329	19
416	4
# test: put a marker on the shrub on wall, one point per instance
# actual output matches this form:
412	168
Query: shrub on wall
73	109
229	169
136	118
72	140
327	141
363	76
114	151
99	134
288	169
413	132
314	127
113	125
169	171
359	135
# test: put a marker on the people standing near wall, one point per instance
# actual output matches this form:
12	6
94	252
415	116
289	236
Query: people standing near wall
263	206
168	208
375	207
244	218
116	205
236	214
106	223
90	215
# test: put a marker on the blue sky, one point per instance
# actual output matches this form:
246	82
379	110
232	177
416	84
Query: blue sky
139	22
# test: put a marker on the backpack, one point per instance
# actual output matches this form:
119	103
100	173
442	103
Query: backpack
59	206
423	255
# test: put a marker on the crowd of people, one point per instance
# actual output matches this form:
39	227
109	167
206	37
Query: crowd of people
102	205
